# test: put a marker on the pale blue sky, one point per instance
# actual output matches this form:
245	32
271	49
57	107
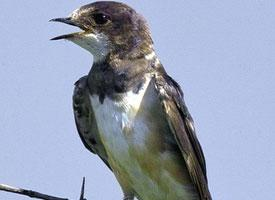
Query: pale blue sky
221	52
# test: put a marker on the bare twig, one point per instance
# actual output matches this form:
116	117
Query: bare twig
82	190
38	195
30	193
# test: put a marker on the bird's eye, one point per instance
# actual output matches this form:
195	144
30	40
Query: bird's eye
101	18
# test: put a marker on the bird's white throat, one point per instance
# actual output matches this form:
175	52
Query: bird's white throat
96	43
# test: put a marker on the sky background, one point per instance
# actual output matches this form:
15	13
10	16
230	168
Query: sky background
221	52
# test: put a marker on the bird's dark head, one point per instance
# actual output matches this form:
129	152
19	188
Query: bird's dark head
109	28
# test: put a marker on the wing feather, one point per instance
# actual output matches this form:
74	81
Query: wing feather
181	125
85	120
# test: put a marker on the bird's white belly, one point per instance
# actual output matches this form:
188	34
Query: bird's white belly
122	134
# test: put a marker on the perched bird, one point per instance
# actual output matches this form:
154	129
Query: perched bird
130	112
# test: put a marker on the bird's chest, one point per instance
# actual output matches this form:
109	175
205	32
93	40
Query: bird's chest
117	122
122	125
123	130
134	135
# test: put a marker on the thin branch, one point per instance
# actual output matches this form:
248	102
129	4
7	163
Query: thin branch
30	193
82	190
38	195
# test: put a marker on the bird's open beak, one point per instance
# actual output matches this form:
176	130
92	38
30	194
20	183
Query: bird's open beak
70	21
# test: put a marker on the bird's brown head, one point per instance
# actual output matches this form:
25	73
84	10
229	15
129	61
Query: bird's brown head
109	29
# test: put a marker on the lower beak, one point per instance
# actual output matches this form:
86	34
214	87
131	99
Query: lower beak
66	36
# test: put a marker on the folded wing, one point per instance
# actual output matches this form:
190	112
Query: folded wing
181	126
85	120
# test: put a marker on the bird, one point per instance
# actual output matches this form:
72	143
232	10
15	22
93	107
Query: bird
130	112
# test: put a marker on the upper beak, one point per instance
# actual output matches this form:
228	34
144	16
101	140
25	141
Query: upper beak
67	20
70	21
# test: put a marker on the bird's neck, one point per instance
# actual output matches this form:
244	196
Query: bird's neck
113	76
